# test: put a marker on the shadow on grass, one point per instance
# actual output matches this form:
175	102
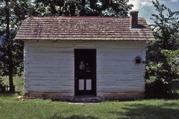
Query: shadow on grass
55	116
143	111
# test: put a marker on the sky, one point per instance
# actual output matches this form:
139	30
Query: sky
146	8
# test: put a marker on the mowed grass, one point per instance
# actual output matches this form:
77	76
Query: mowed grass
13	108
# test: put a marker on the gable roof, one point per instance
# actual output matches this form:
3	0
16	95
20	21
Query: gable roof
83	28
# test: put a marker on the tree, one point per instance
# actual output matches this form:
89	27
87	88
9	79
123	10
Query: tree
160	68
81	7
11	51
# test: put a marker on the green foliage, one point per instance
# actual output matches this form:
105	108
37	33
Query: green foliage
81	7
165	27
1	82
11	51
162	76
161	54
2	89
18	9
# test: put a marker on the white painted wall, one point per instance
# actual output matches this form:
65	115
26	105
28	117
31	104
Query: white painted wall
49	66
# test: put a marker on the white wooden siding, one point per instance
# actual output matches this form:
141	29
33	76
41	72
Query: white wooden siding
49	65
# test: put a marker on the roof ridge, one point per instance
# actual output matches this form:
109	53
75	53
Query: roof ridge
77	17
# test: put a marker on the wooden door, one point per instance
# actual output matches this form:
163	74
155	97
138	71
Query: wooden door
85	72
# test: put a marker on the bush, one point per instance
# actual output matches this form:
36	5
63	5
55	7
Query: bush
161	75
160	89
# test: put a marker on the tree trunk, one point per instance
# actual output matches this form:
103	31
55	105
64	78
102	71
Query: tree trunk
110	2
11	83
82	12
9	46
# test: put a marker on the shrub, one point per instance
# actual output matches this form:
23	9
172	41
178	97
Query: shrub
160	89
161	76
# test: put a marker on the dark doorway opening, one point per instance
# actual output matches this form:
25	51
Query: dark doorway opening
85	72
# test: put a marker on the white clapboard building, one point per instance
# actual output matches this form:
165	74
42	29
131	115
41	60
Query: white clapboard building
69	57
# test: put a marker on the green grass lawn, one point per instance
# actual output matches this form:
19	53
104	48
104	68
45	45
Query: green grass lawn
12	108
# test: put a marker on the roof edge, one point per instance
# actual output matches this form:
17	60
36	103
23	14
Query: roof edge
89	39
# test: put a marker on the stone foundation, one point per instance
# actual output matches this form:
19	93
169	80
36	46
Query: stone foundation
88	98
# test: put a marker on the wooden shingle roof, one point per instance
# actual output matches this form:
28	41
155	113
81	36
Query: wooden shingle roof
83	28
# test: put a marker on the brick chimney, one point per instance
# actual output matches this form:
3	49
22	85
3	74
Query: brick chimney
134	19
